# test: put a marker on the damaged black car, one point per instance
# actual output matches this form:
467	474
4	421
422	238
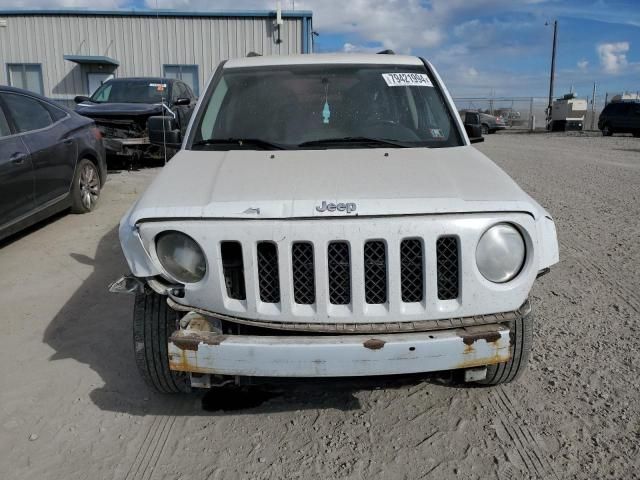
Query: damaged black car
121	109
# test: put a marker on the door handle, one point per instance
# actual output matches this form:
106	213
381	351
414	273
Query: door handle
68	141
17	158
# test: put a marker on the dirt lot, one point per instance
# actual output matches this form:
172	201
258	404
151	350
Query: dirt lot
73	406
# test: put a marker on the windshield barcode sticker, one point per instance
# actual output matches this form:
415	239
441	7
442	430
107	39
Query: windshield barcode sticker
407	80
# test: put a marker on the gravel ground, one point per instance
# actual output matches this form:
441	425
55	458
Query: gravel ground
73	406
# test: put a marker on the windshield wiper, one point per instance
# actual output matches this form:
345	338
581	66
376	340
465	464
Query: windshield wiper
241	142
363	140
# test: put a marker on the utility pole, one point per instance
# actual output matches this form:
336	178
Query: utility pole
553	69
593	105
532	117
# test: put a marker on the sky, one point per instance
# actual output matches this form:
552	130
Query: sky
480	47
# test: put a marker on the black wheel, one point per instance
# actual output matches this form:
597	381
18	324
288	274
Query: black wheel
606	130
636	133
485	129
85	190
521	341
153	322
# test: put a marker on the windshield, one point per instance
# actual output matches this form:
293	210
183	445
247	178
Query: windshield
324	106
131	91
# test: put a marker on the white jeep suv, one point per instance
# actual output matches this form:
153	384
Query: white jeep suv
327	216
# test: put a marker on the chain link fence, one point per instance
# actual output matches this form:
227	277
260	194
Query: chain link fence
529	113
518	113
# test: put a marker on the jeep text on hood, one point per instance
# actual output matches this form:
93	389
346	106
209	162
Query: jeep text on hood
327	216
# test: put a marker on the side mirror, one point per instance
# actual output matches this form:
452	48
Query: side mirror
474	132
81	98
163	131
473	127
182	101
472	118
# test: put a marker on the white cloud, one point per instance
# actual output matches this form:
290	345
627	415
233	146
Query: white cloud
613	56
401	25
471	73
35	4
467	28
352	48
583	65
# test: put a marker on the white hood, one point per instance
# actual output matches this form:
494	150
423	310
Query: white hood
290	184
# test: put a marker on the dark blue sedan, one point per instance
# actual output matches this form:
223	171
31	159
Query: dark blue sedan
51	159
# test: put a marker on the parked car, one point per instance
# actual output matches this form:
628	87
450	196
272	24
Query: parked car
620	117
121	108
50	159
489	123
327	217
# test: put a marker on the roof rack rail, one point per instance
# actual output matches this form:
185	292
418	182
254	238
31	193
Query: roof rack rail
388	51
254	54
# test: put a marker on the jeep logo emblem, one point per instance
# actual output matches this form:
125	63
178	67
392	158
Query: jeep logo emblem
333	207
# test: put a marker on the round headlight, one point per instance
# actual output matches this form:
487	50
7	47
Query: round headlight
500	253
181	256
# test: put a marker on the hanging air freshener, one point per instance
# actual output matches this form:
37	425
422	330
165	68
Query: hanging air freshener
326	111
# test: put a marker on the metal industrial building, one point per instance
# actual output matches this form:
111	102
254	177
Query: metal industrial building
64	53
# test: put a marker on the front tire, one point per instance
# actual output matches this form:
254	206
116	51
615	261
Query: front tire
606	130
153	322
85	190
485	129
521	341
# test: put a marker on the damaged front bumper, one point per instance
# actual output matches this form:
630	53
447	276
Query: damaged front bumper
120	146
205	352
200	347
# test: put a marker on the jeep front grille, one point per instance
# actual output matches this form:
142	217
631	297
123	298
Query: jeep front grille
375	272
411	270
268	278
339	267
302	266
360	270
376	277
447	257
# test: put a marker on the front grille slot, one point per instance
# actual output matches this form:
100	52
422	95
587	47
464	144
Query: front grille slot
448	270
233	269
411	270
339	270
304	292
375	272
268	278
